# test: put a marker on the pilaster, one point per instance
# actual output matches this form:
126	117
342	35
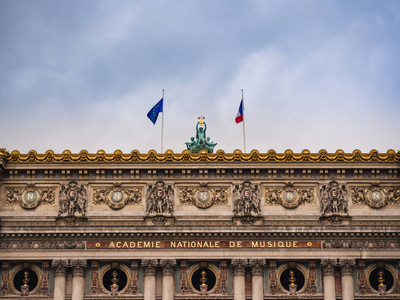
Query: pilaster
239	291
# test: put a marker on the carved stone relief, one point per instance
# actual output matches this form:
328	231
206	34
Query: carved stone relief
73	198
334	199
246	199
36	245
159	199
203	196
117	197
31	196
289	196
375	196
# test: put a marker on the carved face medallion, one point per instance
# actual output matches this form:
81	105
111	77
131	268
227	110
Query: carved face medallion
30	196
117	196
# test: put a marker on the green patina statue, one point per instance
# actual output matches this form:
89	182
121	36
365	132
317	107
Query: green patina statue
202	142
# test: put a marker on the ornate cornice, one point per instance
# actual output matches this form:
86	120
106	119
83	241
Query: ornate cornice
220	156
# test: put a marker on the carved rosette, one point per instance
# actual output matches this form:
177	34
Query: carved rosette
203	196
375	196
117	197
289	197
31	196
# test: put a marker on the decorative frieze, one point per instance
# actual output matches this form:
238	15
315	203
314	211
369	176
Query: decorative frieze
117	197
31	196
42	245
289	196
203	196
369	244
375	196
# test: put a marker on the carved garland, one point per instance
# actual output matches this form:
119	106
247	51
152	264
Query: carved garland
289	197
203	197
117	197
374	196
30	197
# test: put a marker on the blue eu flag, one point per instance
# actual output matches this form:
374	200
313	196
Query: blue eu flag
153	113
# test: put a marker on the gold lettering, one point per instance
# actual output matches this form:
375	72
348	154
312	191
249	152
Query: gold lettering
193	244
158	245
216	244
269	244
239	244
199	245
206	245
132	245
140	244
111	245
184	244
173	245
295	244
281	244
179	244
125	245
254	244
288	244
146	245
231	244
118	244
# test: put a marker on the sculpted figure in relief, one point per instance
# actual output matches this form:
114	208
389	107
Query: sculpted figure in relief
334	199
246	199
73	199
159	199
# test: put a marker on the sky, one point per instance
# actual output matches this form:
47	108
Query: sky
316	74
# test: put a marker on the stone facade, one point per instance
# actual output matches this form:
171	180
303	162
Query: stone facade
196	226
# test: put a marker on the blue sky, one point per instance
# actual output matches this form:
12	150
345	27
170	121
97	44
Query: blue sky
316	74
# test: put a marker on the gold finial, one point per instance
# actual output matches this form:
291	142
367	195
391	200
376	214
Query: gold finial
201	120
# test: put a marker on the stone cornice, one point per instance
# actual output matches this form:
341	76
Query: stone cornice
203	157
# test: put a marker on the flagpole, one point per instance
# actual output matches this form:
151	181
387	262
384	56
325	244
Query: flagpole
244	131
162	124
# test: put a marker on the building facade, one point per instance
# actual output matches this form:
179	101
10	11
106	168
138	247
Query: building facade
200	226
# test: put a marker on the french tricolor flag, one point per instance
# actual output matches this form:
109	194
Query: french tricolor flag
239	116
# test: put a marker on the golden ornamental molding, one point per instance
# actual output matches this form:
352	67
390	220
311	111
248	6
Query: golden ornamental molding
186	157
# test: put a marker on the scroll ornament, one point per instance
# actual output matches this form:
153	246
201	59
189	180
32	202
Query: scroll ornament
117	197
289	196
30	197
375	196
203	196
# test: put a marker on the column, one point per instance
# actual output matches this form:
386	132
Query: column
78	278
257	278
346	269
149	288
239	288
60	278
328	272
168	286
